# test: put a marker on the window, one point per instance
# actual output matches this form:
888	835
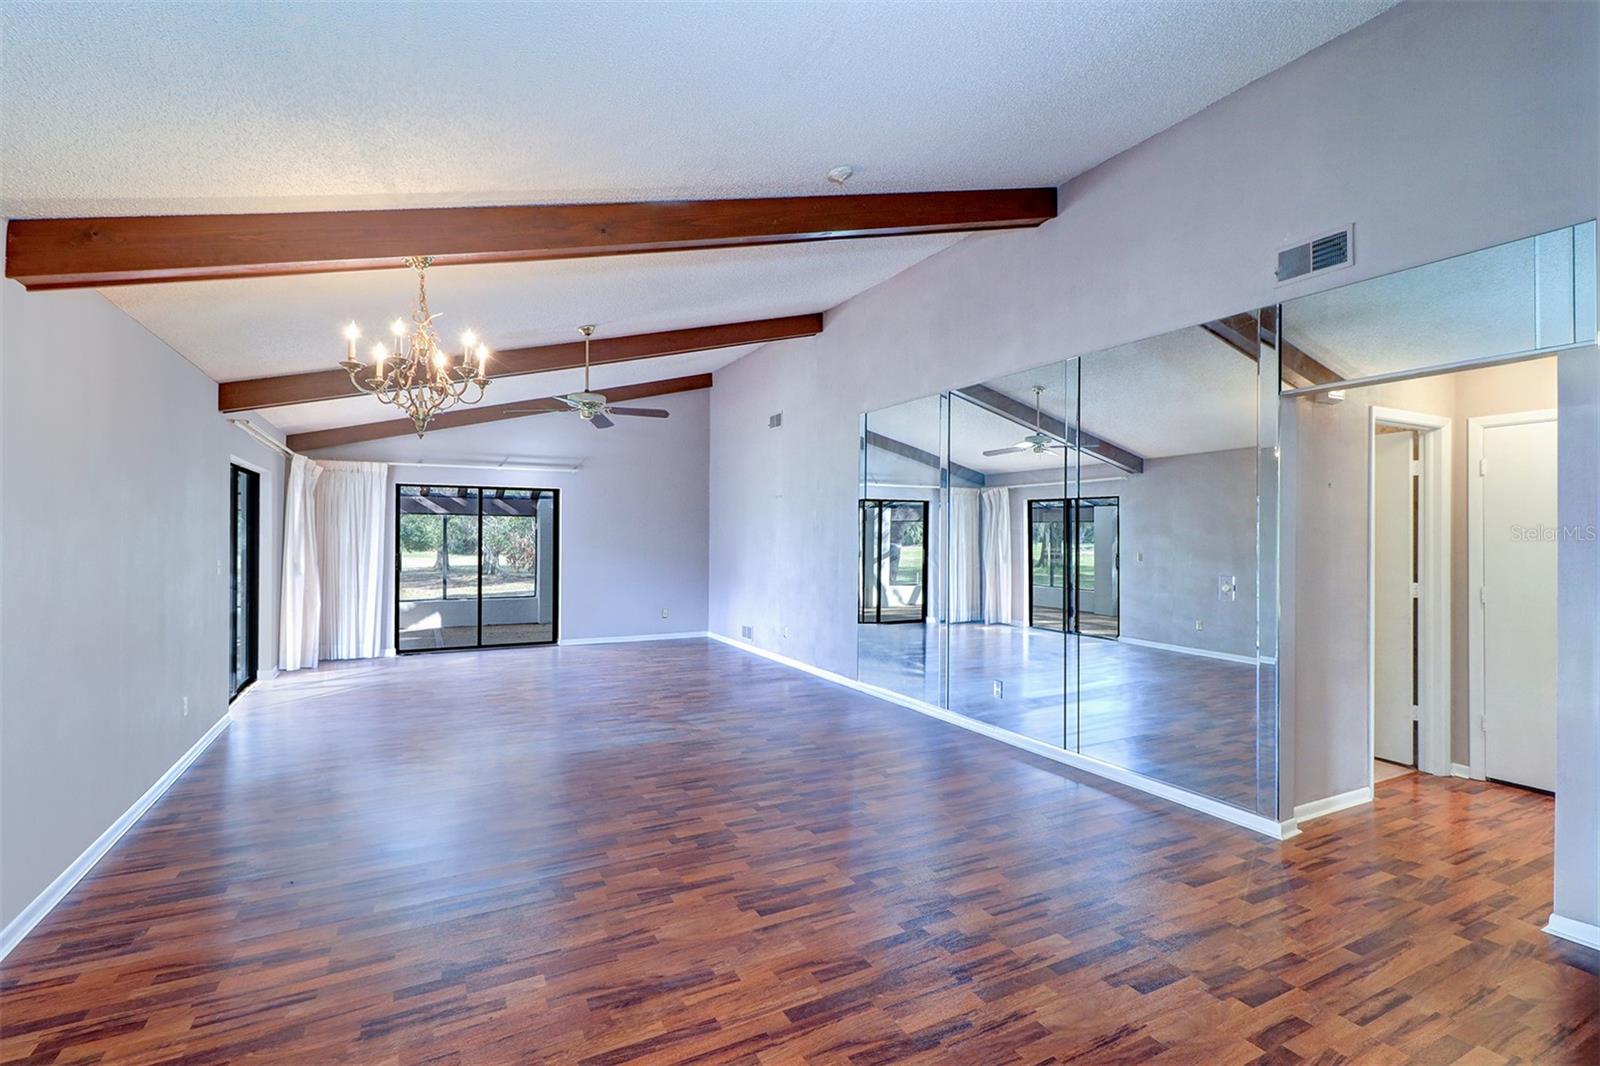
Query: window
244	579
894	561
475	567
1074	584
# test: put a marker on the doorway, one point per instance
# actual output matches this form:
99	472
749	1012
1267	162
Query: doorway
1408	593
1513	535
475	567
244	579
894	561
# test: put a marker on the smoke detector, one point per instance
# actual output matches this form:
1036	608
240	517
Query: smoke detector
841	174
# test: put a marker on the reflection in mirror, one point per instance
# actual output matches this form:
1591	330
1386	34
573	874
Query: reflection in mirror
899	519
1011	563
1530	295
1170	690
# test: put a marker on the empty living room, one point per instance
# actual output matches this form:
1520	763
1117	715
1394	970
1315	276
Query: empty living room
724	531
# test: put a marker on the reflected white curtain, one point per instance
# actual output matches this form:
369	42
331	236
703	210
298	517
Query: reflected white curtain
349	523
995	506
300	606
966	556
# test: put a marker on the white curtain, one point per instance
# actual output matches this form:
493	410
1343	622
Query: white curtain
301	598
350	509
996	520
966	557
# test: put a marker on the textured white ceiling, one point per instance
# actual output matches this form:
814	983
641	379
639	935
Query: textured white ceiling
260	326
134	108
355	410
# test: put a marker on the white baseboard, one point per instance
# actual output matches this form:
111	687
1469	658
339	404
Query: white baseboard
1585	933
1204	804
1183	649
1305	812
1457	770
634	638
44	902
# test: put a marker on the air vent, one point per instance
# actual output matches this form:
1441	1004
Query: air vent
1327	252
748	632
774	421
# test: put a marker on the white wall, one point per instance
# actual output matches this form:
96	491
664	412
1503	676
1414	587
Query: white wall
1436	128
633	517
114	503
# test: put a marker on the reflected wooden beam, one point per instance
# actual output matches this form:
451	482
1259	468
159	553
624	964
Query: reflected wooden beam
255	394
1244	334
64	253
474	416
1075	436
877	440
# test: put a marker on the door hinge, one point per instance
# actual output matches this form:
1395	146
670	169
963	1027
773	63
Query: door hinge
1483	467
1416	590
1416	468
1483	595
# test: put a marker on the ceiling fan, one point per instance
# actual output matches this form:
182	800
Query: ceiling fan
592	406
1038	442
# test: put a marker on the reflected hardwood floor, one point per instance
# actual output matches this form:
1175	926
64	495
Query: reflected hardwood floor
678	852
1184	719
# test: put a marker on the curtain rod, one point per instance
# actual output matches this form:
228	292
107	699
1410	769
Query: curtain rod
255	432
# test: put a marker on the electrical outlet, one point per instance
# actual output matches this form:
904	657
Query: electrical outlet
663	612
999	690
785	632
1138	557
186	706
1198	625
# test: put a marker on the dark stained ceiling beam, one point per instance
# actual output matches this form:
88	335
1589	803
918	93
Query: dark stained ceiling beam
474	416
258	393
61	253
874	439
1077	436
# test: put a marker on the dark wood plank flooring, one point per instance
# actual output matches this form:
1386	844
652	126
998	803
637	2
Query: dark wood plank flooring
677	852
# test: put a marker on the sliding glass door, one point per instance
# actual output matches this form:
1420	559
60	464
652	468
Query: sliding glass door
894	563
475	567
244	578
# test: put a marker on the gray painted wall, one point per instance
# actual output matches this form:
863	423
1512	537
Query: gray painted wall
1437	128
115	499
633	517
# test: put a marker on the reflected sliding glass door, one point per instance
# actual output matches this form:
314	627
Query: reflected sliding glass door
475	567
1075	566
244	578
894	562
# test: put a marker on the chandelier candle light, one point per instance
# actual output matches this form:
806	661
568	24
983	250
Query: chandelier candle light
419	377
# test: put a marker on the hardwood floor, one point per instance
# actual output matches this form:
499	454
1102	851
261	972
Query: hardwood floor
678	852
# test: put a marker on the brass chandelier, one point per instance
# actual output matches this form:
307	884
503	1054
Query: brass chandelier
419	376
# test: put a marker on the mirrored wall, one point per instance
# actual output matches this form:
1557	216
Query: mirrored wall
1092	554
1086	555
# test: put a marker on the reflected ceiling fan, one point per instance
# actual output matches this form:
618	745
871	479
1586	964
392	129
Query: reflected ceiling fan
592	406
1038	442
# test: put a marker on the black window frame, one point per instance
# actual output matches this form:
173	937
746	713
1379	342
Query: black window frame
555	567
1071	506
251	575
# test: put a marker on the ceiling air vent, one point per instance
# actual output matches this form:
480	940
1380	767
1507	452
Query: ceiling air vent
1327	252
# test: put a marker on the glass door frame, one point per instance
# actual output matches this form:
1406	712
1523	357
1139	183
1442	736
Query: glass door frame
555	568
247	570
878	506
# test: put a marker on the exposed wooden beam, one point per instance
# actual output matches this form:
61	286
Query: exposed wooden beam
1244	334
60	253
473	416
257	393
1077	436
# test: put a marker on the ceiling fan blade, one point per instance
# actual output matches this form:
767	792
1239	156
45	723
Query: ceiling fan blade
639	412
600	421
1007	451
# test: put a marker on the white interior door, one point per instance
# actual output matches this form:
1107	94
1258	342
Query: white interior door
1393	690
1518	487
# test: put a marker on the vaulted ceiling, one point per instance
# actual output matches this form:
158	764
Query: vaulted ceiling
130	109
